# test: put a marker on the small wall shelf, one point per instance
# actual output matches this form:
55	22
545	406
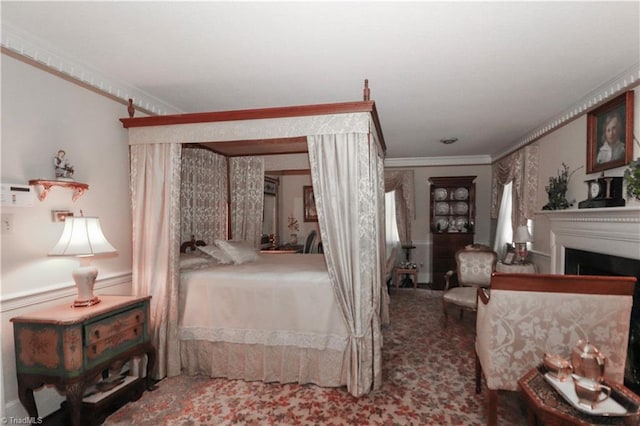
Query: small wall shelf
46	185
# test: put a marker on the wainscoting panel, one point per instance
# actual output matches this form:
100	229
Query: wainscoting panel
421	256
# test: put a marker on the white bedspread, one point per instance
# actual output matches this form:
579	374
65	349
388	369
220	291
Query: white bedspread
279	300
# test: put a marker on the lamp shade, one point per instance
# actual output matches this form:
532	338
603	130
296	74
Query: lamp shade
522	235
82	236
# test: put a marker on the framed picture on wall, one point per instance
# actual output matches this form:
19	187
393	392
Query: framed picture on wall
310	212
610	134
270	186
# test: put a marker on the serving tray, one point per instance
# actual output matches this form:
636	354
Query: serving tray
612	406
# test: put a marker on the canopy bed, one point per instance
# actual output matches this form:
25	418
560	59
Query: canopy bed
345	146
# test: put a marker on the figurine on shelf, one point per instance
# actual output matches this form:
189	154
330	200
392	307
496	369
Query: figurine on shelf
64	170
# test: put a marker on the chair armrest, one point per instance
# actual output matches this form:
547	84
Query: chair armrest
484	294
450	279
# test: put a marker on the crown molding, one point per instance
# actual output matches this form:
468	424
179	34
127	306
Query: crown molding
626	80
461	160
29	49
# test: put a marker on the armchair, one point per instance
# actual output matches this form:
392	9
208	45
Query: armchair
523	316
474	265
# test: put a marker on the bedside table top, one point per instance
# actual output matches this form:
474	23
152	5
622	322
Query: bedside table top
67	314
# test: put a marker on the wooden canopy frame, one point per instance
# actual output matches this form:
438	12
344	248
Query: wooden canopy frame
289	145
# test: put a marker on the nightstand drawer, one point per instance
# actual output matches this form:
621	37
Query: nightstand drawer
112	326
115	343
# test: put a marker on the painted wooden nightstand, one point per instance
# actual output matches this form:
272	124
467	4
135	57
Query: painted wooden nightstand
72	347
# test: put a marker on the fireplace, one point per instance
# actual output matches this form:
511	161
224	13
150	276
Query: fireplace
602	233
580	262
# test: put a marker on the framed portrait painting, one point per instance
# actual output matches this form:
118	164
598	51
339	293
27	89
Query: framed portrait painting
310	212
610	134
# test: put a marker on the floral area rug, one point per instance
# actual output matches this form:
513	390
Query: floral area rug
428	379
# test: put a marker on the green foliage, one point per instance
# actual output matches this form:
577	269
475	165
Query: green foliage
557	190
632	178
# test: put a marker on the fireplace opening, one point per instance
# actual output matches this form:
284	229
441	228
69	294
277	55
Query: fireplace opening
580	262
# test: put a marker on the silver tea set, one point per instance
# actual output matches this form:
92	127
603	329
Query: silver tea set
586	369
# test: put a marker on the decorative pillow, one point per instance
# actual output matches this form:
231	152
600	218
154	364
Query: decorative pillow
193	261
217	253
239	251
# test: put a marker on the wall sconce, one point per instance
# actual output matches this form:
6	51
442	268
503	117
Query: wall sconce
521	238
82	237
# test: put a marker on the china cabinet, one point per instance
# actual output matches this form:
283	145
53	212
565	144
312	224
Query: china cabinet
452	221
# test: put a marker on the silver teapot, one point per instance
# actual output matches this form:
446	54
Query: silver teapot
588	361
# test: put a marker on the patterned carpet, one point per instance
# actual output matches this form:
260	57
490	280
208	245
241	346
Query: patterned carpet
428	379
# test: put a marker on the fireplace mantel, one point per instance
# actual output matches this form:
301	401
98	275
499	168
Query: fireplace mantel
614	231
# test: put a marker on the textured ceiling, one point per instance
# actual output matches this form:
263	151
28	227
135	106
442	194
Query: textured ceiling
488	73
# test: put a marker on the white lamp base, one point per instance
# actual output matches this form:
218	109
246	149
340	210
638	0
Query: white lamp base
85	278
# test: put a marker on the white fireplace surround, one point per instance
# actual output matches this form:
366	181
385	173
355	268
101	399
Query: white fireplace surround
614	231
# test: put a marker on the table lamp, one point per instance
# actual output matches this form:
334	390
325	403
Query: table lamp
521	238
82	237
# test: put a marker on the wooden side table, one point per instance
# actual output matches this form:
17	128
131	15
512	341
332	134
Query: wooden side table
71	347
550	408
412	272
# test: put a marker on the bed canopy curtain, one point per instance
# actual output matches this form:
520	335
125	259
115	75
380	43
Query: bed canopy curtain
520	168
349	219
155	200
354	239
203	194
401	181
247	197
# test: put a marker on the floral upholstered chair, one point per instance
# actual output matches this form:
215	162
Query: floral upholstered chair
474	265
523	316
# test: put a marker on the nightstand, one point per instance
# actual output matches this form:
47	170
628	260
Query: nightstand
72	348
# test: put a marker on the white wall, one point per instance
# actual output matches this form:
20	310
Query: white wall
568	144
42	113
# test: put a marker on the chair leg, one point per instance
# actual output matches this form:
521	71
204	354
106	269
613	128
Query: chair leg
492	407
444	310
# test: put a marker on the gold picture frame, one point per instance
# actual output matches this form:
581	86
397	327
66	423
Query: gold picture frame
309	201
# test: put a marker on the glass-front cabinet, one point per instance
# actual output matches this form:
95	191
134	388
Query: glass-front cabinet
452	221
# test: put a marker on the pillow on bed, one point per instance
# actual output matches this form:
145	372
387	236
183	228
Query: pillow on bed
193	261
239	251
217	253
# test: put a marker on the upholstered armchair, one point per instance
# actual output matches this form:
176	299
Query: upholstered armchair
474	265
522	316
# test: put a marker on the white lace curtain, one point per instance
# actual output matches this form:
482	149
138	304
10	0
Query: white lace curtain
520	168
349	198
247	198
203	195
155	196
402	182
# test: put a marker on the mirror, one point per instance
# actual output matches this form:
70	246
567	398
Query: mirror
270	206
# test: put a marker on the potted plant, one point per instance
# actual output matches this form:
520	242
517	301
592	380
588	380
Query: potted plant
557	190
632	179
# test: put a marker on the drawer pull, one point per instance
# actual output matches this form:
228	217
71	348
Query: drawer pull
138	318
135	331
97	333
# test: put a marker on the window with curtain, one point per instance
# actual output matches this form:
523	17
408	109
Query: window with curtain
504	231
391	225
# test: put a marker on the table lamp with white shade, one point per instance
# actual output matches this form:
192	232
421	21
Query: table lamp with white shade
521	238
83	237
